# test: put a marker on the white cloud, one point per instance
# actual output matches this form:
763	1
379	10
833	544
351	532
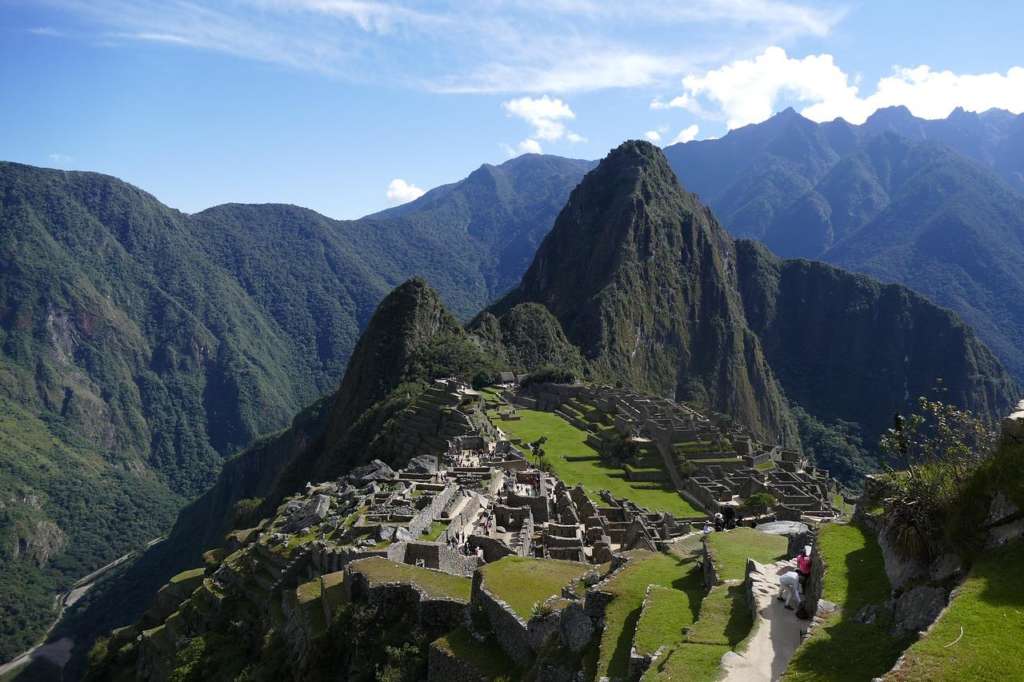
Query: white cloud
514	46
652	136
527	146
546	115
543	113
60	160
687	134
400	191
750	90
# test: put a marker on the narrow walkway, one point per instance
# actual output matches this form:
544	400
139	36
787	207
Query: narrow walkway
776	632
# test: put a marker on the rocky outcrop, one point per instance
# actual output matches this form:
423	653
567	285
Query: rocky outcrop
917	608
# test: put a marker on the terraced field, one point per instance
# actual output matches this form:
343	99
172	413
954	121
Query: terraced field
842	649
574	461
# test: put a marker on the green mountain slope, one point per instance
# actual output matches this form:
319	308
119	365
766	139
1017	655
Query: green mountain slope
851	352
935	205
165	342
637	273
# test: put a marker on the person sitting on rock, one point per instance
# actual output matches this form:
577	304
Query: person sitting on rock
789	589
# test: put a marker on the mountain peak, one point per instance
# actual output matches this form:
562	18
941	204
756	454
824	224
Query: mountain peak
636	271
890	115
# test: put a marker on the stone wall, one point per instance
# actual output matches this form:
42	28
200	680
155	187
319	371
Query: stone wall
435	555
422	519
509	629
435	616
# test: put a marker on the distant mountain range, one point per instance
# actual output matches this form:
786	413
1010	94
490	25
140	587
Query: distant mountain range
932	204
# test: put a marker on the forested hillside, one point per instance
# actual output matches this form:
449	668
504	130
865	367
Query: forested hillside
140	346
935	205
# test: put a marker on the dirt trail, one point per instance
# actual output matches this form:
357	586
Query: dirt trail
776	633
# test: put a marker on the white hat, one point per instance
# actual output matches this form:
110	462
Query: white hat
807	550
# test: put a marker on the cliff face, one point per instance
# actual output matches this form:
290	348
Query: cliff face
641	278
847	347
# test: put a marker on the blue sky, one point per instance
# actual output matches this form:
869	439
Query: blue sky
350	106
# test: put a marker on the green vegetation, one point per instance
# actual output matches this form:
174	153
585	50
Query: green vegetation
434	583
436	529
574	461
624	612
148	345
842	649
486	657
187	576
723	622
666	615
731	550
978	637
524	583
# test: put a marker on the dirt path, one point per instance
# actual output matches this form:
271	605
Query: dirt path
776	633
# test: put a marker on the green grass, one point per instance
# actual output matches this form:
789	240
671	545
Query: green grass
310	591
574	461
435	531
523	582
990	609
665	617
841	649
187	575
724	617
435	583
622	615
487	657
732	549
724	621
689	662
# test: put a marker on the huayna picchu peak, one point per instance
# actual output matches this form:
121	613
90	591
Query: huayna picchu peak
641	277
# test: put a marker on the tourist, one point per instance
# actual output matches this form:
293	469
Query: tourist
719	521
789	589
803	565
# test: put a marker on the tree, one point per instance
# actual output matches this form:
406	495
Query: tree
941	446
536	447
759	503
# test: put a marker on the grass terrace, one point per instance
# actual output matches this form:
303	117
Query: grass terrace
723	623
989	612
841	649
678	576
435	583
184	576
523	582
574	461
486	657
732	549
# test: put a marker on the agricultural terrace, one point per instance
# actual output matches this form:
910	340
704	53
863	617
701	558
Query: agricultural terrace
840	648
524	583
681	583
573	461
379	570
